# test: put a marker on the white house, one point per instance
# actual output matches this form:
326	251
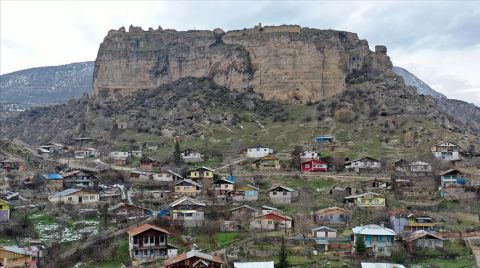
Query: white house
258	151
258	264
86	153
308	155
191	156
378	238
419	166
447	151
75	196
119	155
364	163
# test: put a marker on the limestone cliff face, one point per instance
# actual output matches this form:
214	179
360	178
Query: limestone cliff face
284	63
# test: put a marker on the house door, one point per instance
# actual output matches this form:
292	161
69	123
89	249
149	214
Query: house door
79	199
326	234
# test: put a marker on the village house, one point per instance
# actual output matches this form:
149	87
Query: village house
380	265
333	216
366	200
243	212
187	188
271	221
13	256
83	153
125	210
200	173
401	165
420	167
147	243
44	152
244	193
188	211
422	239
148	163
378	238
447	151
268	162
111	195
74	196
119	158
268	209
308	155
191	156
282	195
79	178
313	165
407	222
222	186
53	181
4	211
159	194
452	177
258	151
324	232
13	164
194	259
364	164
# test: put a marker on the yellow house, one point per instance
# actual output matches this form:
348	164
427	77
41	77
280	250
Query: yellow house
187	187
200	173
4	211
11	256
422	222
369	199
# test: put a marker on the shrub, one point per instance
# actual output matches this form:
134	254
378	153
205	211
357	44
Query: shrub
344	116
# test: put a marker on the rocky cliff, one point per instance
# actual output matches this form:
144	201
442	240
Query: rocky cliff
283	63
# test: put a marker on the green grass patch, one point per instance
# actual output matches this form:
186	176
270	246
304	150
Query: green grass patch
225	239
42	219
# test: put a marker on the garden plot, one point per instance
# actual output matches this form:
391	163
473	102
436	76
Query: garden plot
53	230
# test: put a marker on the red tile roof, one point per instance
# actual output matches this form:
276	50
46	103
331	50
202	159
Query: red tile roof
191	254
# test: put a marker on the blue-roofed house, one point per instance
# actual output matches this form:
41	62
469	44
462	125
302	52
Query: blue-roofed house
323	139
53	181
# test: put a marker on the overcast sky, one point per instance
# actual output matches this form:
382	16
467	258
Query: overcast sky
437	41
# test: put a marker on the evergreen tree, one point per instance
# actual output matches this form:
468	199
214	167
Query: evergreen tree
176	154
283	258
360	246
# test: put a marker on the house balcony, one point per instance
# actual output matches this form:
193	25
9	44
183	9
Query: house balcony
149	246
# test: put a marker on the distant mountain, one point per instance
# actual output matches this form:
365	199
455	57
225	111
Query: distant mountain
43	85
422	87
458	110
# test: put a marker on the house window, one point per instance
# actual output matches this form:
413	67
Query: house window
284	193
270	222
307	165
136	252
69	198
145	239
162	239
135	242
274	193
92	197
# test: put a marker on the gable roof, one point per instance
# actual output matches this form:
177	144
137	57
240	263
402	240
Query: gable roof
202	167
446	143
324	227
186	198
365	157
174	173
450	171
275	214
314	160
223	180
283	187
67	192
373	229
144	227
191	254
189	182
244	206
121	204
420	234
248	186
325	210
362	195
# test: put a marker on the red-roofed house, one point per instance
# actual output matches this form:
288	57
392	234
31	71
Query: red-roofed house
194	259
148	243
271	221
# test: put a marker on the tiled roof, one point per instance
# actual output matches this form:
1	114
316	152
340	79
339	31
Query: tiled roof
191	254
144	227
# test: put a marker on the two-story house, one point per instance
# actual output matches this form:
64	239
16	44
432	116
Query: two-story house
222	186
188	188
364	164
268	162
244	193
200	173
452	177
79	178
313	165
191	156
447	151
147	243
149	163
271	221
380	239
188	211
282	195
